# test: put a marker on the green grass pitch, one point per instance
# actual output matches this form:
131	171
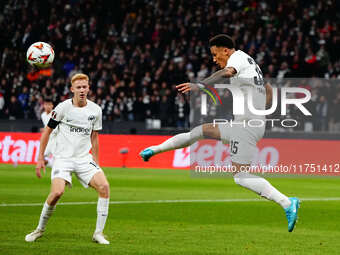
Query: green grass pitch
255	227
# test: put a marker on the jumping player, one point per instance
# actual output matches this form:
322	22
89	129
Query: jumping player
245	74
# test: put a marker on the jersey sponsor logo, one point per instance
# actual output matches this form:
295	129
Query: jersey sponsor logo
86	131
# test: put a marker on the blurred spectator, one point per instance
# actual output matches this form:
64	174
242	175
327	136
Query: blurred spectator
139	109
335	114
15	110
23	99
165	111
154	107
321	114
2	105
182	112
282	72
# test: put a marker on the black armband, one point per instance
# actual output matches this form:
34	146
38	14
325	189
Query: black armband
52	123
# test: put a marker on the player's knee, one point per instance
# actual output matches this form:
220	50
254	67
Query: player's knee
104	189
57	194
210	131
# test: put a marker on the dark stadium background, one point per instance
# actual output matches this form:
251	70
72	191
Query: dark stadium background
136	51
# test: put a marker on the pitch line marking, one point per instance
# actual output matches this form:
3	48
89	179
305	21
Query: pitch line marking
170	201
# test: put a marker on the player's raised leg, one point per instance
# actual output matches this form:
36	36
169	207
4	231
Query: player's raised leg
262	187
57	190
182	140
100	183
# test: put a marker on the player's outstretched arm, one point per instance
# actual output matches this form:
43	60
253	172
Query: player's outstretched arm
217	77
43	143
220	76
95	146
186	87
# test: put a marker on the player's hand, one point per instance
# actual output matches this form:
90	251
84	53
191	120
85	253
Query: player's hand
40	164
184	87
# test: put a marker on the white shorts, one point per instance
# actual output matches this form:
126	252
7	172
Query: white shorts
84	168
242	141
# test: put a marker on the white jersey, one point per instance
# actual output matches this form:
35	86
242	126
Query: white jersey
51	141
249	79
75	127
45	118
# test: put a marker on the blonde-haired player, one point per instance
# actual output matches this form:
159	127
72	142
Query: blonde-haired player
78	121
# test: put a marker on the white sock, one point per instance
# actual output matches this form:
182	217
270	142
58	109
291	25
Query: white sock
179	141
45	215
102	212
262	187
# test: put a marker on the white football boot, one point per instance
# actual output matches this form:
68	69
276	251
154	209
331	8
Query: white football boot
31	237
99	238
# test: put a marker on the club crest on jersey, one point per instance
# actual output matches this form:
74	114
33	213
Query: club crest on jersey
91	118
53	115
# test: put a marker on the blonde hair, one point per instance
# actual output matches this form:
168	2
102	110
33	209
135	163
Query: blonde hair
79	76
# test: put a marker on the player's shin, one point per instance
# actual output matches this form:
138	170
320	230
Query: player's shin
262	187
46	213
179	141
102	213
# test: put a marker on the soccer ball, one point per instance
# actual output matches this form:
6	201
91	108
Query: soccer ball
40	55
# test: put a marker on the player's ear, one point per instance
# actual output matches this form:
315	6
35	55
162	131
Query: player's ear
71	88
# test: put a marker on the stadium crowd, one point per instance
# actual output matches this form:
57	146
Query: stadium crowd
136	51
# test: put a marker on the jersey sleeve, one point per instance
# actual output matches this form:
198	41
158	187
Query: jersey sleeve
56	116
98	122
236	61
44	119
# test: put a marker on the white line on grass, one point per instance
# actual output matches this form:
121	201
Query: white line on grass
172	201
